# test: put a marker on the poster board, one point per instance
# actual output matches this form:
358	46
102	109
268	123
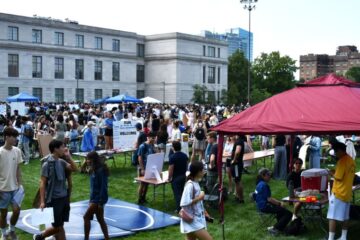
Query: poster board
124	134
3	109
44	140
20	106
154	166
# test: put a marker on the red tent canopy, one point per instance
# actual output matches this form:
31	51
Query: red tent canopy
325	105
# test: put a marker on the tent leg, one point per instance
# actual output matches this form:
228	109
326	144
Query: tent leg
292	138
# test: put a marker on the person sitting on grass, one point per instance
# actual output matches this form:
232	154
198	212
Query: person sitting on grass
293	182
267	204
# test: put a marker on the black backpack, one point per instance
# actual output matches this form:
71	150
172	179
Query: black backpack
200	133
295	227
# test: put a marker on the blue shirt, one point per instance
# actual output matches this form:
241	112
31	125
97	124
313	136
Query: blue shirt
109	122
144	150
23	138
87	143
99	187
263	192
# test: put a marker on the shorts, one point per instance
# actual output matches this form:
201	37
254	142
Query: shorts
61	207
6	198
338	209
228	163
236	172
108	132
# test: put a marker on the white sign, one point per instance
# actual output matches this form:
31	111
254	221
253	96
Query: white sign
124	134
154	165
74	106
3	109
19	106
110	106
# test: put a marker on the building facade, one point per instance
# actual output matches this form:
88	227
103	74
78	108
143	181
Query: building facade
237	38
61	61
316	65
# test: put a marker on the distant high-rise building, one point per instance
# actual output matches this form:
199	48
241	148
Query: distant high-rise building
237	38
317	65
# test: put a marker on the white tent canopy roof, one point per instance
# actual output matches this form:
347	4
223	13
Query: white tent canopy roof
150	100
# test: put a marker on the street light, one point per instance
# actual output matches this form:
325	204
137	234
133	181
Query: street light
249	5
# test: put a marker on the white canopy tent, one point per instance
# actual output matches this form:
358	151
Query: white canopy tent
150	100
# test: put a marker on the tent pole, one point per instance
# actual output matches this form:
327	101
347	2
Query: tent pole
220	167
292	138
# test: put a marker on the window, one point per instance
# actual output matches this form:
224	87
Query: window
140	94
116	45
218	52
204	74
79	69
98	43
36	36
219	73
13	33
59	68
115	92
211	52
140	73
115	71
13	91
37	67
211	75
98	70
13	65
204	50
59	38
59	95
79	95
79	41
37	92
140	50
98	93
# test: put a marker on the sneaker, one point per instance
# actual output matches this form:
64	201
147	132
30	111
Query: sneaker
12	235
26	162
273	231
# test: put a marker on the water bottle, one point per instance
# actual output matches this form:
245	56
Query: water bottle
291	189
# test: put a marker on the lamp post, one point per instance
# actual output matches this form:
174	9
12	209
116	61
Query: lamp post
77	86
249	5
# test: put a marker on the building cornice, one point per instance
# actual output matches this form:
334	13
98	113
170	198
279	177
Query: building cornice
186	58
183	36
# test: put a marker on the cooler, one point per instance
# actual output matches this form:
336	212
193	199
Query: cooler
315	178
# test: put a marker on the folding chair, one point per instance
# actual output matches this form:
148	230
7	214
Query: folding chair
212	198
265	220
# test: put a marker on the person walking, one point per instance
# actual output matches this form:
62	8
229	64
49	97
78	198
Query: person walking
99	173
53	191
192	201
280	167
10	182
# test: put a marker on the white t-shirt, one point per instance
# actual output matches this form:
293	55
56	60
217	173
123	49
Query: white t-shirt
9	161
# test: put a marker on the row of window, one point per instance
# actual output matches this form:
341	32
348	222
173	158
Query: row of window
59	93
37	72
210	51
211	74
13	35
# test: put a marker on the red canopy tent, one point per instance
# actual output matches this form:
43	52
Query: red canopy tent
325	105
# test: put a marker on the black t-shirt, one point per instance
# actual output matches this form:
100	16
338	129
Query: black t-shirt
295	178
155	125
179	160
239	142
141	138
214	150
280	140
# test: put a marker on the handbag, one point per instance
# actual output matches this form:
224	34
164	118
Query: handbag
185	215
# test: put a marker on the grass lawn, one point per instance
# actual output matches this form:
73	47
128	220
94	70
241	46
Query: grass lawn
240	220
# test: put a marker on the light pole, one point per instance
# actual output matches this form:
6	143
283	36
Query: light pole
249	5
77	86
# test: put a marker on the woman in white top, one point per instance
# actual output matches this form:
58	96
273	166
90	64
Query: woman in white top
227	154
192	202
175	133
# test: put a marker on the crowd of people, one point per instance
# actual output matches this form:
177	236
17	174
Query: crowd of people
90	128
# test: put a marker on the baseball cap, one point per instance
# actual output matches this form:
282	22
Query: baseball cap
264	171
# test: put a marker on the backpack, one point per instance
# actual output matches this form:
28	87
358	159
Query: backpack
29	132
200	133
135	156
295	227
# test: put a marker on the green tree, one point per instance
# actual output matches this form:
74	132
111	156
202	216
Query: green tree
258	95
199	94
237	78
353	74
273	73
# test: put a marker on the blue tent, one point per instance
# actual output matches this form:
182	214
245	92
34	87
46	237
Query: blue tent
22	97
123	98
100	100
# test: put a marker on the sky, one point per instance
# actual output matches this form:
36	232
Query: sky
292	27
